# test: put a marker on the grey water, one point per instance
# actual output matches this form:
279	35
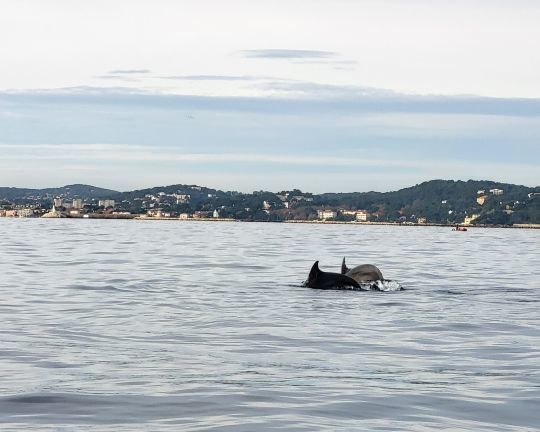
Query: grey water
171	325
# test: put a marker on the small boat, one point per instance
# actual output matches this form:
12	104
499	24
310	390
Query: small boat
458	228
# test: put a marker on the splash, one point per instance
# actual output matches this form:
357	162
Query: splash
382	285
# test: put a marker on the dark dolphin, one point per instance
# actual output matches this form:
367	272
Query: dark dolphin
325	280
362	273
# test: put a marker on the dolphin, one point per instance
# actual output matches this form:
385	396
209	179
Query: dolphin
325	280
362	273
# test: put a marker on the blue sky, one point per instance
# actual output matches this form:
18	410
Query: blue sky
249	96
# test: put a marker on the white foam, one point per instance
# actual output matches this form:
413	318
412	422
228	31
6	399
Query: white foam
382	285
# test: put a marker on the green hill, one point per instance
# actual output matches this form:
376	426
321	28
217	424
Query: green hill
86	192
445	201
435	201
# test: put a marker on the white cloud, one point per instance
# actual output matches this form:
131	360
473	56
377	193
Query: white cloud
288	54
480	47
261	77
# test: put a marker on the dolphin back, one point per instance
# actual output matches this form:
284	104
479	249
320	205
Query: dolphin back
365	272
326	280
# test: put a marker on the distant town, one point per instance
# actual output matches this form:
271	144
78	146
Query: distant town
438	202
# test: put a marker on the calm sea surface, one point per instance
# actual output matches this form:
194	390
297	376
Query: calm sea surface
134	325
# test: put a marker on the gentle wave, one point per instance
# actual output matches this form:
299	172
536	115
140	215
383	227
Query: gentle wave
117	325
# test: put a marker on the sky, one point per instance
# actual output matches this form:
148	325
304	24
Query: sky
341	95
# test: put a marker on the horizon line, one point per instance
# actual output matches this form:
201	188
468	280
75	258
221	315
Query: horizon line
269	191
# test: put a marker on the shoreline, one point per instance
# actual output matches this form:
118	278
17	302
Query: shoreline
312	222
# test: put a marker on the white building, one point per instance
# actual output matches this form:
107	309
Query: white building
182	198
106	203
54	214
215	214
77	203
159	213
469	219
302	198
481	199
326	214
58	202
361	216
496	191
25	212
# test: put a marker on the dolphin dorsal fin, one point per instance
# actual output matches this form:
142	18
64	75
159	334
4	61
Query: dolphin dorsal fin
344	268
314	272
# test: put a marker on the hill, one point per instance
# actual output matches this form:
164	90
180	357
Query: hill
435	201
86	192
446	201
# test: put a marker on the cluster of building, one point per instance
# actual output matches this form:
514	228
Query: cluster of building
468	219
289	200
18	212
151	201
160	214
328	214
77	207
181	205
61	207
482	196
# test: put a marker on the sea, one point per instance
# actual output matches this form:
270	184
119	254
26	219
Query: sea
111	325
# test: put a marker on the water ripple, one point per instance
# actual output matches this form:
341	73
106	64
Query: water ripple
120	325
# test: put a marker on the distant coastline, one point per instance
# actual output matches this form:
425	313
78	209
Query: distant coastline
310	222
432	203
